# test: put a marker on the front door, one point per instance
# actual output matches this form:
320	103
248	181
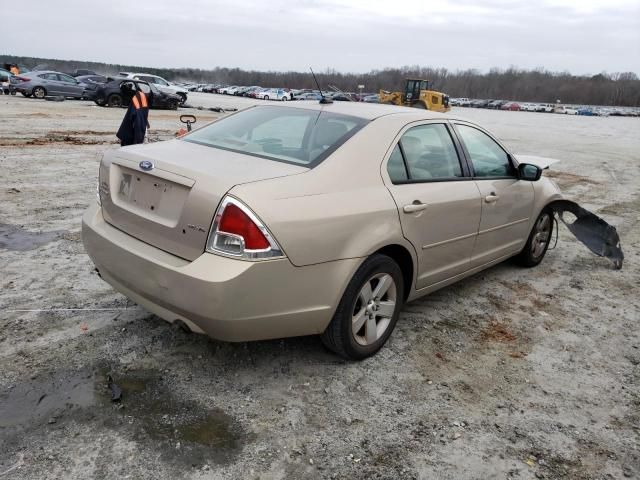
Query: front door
439	206
507	203
70	86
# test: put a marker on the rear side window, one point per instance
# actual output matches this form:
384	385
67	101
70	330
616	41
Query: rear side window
292	135
396	167
143	87
429	154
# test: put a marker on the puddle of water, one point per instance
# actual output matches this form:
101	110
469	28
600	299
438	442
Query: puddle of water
13	237
183	430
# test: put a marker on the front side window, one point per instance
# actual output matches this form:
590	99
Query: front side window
159	81
429	153
293	135
487	157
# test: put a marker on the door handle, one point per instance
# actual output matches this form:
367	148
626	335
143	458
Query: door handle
414	207
491	198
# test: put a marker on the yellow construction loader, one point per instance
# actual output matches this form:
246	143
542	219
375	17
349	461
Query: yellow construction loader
418	94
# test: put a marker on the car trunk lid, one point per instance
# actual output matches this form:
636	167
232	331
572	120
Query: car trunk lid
166	193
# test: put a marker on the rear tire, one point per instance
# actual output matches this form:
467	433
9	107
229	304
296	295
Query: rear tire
538	242
368	311
39	92
115	100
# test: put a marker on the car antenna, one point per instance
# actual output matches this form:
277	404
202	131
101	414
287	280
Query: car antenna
323	100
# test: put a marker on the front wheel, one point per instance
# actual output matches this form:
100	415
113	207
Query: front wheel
284	99
266	97
368	310
538	242
183	98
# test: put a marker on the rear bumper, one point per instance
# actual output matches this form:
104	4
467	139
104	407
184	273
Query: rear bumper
227	299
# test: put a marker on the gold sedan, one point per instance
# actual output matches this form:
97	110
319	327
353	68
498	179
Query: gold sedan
304	218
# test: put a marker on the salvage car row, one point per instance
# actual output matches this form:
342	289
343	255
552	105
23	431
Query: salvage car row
545	107
104	91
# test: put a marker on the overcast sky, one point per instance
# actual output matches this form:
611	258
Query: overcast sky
581	36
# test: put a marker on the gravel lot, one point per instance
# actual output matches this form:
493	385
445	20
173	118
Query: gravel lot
511	373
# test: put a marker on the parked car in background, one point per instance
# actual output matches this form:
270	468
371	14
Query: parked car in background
48	83
512	106
464	102
250	91
565	110
274	94
114	94
162	84
5	81
586	111
480	103
545	107
235	213
82	72
375	98
91	83
496	104
307	96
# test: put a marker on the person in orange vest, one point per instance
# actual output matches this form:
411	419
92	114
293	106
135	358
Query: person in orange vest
136	120
14	69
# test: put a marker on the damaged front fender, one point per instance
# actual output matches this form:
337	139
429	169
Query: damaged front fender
599	237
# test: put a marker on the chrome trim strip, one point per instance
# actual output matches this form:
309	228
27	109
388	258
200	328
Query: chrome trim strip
437	244
510	224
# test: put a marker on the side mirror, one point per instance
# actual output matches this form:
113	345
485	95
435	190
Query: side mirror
527	171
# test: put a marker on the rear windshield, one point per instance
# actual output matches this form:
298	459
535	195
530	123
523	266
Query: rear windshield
292	135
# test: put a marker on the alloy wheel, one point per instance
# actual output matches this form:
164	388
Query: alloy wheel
542	235
373	309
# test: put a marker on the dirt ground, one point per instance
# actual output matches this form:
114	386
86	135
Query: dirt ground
509	374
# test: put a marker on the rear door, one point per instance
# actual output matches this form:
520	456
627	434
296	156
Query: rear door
438	202
507	203
52	84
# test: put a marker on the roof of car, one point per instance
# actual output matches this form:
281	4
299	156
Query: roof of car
368	111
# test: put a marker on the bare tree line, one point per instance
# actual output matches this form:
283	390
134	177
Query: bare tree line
538	85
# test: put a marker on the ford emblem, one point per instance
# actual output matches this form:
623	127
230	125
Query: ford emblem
146	165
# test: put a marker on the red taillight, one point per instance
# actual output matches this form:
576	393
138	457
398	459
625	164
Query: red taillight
239	233
236	222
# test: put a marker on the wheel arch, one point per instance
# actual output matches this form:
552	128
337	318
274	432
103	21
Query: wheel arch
403	258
